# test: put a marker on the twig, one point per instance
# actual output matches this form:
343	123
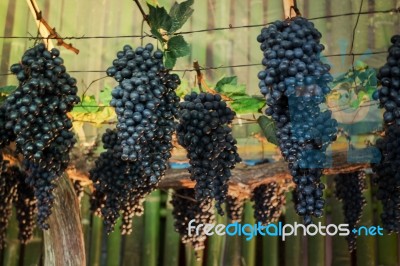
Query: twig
196	66
145	17
48	33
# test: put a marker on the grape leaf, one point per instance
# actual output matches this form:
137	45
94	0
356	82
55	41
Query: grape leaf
269	129
169	60
178	46
247	104
180	13
7	89
104	114
224	81
232	91
105	95
158	18
88	105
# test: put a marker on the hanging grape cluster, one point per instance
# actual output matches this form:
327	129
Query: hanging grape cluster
138	150
268	200
7	194
234	208
114	181
35	116
349	188
14	191
203	131
144	100
295	83
387	174
24	202
185	209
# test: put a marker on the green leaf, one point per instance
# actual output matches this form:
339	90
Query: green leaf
269	129
180	13
247	104
158	35
159	18
88	105
178	46
105	95
7	89
224	81
232	91
169	60
2	99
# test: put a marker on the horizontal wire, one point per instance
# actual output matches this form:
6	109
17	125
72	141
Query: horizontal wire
222	66
392	10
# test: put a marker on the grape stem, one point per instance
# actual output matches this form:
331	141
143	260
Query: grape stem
196	66
142	11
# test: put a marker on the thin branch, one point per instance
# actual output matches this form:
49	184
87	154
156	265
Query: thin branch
145	17
48	33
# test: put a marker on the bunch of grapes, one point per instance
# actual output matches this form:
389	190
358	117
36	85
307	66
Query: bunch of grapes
185	209
269	200
204	132
114	181
36	117
24	202
388	176
349	189
7	194
139	149
389	77
234	208
295	83
144	100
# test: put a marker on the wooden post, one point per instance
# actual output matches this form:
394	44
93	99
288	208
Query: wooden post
63	242
287	10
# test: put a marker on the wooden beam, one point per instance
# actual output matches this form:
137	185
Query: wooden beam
244	178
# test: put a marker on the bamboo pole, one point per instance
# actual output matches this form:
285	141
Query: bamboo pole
366	245
172	239
248	246
292	243
96	233
114	246
151	230
270	250
387	245
215	244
